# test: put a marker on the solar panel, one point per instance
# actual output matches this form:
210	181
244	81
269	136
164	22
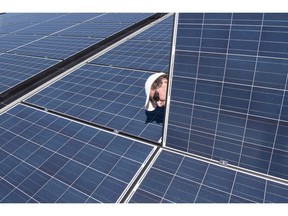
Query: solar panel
67	38
16	69
106	96
29	17
160	32
7	28
142	55
78	140
56	47
121	18
94	30
45	28
228	93
12	41
76	17
143	52
175	178
46	158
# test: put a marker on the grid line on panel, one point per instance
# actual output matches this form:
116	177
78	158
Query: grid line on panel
45	28
233	184
196	80
234	55
13	41
250	98
55	47
265	191
230	111
174	175
222	87
132	53
277	127
89	30
201	183
21	68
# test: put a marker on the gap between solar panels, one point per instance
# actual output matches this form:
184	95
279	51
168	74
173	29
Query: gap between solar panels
111	130
32	83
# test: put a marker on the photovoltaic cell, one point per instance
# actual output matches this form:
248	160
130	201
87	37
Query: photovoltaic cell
228	91
105	96
180	179
16	69
45	158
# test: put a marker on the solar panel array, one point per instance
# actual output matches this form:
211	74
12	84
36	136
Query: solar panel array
229	90
86	137
61	39
108	91
175	178
46	158
45	36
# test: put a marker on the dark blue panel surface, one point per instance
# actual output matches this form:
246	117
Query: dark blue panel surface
56	47
45	28
106	96
149	50
187	180
76	17
244	39
249	187
144	55
162	31
94	30
16	69
12	41
228	94
63	161
240	69
120	17
278	166
29	17
276	193
7	28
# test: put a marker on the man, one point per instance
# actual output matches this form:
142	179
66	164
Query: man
155	89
